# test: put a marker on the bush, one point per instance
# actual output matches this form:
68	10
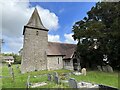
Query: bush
17	59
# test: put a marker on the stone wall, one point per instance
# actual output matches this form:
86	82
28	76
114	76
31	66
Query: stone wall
34	47
54	62
68	66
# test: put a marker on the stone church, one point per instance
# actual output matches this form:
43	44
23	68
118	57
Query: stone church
39	54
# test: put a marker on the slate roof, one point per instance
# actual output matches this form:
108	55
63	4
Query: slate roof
64	49
35	22
7	57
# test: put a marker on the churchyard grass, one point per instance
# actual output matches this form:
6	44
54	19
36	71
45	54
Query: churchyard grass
98	77
40	76
21	79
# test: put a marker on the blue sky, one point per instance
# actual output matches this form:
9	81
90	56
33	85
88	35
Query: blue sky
59	17
68	13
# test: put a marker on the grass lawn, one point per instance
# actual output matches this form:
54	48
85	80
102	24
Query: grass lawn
21	79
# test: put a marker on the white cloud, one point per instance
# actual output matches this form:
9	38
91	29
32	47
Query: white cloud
69	38
13	44
54	38
50	20
15	15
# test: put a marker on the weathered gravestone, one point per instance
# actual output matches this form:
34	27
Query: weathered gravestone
49	77
28	82
99	68
72	83
109	68
55	74
83	71
12	74
56	80
104	68
10	70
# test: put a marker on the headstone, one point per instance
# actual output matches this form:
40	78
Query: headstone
109	68
72	83
10	70
99	68
104	68
12	74
54	75
56	80
28	82
49	77
83	71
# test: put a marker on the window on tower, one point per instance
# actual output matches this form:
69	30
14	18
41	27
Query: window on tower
58	60
36	32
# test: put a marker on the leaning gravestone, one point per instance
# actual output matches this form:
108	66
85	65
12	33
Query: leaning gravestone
49	77
72	83
56	80
99	68
109	68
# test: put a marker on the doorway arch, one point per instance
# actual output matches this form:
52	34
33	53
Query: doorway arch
75	64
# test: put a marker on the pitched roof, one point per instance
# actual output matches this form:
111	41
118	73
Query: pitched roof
35	22
66	49
7	57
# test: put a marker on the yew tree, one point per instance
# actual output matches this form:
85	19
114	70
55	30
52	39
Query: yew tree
98	34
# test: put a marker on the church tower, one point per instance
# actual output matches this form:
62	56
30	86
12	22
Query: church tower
34	56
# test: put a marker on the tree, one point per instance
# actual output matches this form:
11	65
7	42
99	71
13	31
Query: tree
17	59
99	29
